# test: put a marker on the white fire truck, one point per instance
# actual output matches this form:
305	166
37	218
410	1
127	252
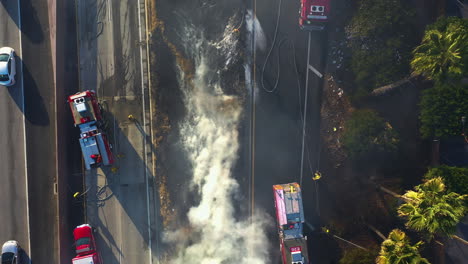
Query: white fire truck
93	141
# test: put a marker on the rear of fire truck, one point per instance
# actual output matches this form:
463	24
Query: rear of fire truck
314	14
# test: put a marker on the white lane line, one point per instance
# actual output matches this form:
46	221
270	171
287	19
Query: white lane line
109	11
144	129
305	110
315	71
24	131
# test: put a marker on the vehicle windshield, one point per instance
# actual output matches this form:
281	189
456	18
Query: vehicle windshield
4	77
4	57
8	258
84	241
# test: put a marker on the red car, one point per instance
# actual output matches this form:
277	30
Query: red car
314	14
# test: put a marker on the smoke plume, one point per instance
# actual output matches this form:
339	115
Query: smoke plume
211	138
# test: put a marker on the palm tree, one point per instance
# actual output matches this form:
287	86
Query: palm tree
431	209
440	54
397	249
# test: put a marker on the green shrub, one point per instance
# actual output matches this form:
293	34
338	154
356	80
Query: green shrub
367	137
443	22
441	110
456	179
359	256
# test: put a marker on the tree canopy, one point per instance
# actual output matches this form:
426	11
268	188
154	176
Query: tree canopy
381	39
358	256
430	208
443	22
442	108
456	179
443	53
397	249
367	137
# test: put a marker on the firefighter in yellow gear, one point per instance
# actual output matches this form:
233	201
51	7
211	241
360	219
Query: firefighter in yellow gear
317	176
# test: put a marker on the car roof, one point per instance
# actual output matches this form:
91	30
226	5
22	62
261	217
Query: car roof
6	50
10	246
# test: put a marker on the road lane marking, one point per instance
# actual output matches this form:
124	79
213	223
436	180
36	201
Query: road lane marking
148	70
315	70
305	110
24	131
109	10
144	129
252	118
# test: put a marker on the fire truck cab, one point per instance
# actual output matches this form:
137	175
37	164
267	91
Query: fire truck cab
84	107
296	255
85	243
314	14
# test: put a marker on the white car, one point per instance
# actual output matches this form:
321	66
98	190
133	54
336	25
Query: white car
10	252
7	66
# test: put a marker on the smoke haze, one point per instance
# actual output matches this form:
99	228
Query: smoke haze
210	135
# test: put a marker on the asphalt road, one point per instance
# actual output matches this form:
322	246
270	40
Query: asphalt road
28	133
39	114
13	190
278	128
210	122
273	128
120	202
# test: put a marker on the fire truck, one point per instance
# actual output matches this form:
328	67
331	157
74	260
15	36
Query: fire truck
93	141
290	219
314	14
85	243
92	258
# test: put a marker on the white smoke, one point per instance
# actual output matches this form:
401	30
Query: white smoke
210	136
254	27
256	36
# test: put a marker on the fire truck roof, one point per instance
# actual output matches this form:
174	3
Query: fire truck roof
88	93
289	203
84	108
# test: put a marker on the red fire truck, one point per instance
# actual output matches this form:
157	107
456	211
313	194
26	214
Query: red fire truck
290	219
314	14
92	258
85	243
93	141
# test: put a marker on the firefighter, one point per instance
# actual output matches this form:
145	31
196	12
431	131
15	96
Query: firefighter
97	158
317	175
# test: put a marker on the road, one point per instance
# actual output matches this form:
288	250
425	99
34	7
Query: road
278	115
120	200
204	158
207	174
40	130
28	158
13	190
